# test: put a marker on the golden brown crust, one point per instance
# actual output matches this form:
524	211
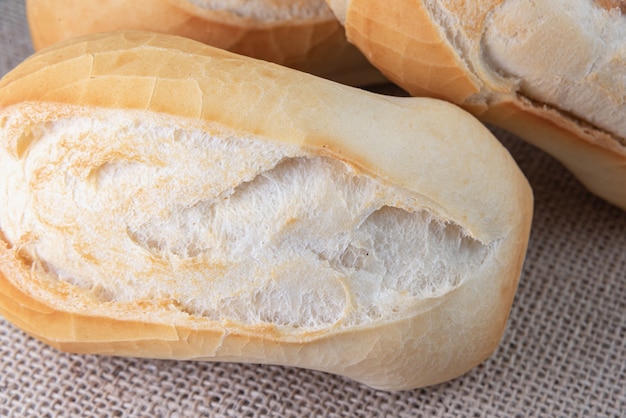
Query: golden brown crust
316	45
595	158
390	34
406	141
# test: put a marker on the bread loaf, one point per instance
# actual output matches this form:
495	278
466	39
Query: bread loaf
552	72
163	198
302	34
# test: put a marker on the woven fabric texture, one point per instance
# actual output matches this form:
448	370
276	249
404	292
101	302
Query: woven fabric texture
563	353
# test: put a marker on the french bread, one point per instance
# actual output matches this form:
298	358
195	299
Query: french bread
166	199
302	34
552	72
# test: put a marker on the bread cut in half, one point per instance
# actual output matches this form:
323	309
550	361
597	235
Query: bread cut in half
302	34
163	198
553	72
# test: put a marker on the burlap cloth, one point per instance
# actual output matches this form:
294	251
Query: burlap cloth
563	353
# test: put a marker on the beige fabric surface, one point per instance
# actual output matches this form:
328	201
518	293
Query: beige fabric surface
563	353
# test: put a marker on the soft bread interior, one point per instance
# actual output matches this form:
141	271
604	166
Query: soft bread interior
128	208
268	10
569	55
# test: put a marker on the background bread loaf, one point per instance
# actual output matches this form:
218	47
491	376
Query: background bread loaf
301	34
168	199
561	353
551	72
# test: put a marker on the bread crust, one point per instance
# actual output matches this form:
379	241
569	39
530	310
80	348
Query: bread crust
422	61
595	158
316	45
408	44
410	142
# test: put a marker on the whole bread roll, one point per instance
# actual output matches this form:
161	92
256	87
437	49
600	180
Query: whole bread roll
163	198
553	72
302	34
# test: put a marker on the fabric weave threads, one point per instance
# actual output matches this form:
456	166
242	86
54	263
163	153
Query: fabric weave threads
563	354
